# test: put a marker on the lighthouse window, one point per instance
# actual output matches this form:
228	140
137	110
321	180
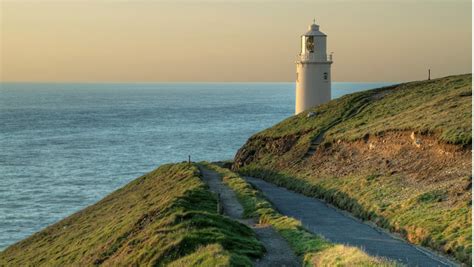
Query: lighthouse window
325	76
310	44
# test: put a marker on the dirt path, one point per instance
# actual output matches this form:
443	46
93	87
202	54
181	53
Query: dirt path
278	252
319	218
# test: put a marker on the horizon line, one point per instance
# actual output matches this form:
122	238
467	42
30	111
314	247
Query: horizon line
155	82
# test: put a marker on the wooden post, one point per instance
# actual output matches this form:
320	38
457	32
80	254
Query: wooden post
429	74
189	159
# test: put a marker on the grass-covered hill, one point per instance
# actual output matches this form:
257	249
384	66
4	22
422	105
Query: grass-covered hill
167	217
398	156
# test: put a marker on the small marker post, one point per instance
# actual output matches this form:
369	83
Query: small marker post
189	159
429	74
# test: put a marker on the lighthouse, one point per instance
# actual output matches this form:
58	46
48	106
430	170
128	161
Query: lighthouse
313	71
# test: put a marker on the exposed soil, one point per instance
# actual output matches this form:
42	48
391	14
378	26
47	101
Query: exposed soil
420	159
278	252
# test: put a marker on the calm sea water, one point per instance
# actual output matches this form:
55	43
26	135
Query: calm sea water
65	146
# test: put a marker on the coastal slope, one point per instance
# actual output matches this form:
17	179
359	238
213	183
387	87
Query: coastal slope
397	156
172	216
166	217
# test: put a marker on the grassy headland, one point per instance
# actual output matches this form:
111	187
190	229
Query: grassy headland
167	216
398	156
313	249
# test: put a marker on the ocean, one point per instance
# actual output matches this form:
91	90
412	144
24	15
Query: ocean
66	146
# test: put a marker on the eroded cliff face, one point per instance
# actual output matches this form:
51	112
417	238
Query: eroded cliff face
419	159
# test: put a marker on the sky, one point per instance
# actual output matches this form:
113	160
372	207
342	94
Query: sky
229	41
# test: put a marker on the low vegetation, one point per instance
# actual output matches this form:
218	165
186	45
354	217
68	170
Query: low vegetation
314	249
165	217
340	255
399	156
440	106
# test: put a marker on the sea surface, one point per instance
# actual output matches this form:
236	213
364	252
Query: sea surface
65	146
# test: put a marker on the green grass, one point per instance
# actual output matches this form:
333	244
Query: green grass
426	198
313	249
440	106
165	217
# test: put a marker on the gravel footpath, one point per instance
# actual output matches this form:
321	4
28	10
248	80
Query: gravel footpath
278	252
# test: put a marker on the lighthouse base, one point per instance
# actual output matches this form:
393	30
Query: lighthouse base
313	84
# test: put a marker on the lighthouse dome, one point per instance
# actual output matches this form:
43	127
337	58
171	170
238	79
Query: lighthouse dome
313	30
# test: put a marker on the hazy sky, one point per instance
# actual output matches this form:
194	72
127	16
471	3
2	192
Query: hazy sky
146	40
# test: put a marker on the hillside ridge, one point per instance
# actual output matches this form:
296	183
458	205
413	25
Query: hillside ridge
398	156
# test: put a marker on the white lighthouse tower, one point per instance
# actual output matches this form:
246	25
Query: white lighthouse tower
313	71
